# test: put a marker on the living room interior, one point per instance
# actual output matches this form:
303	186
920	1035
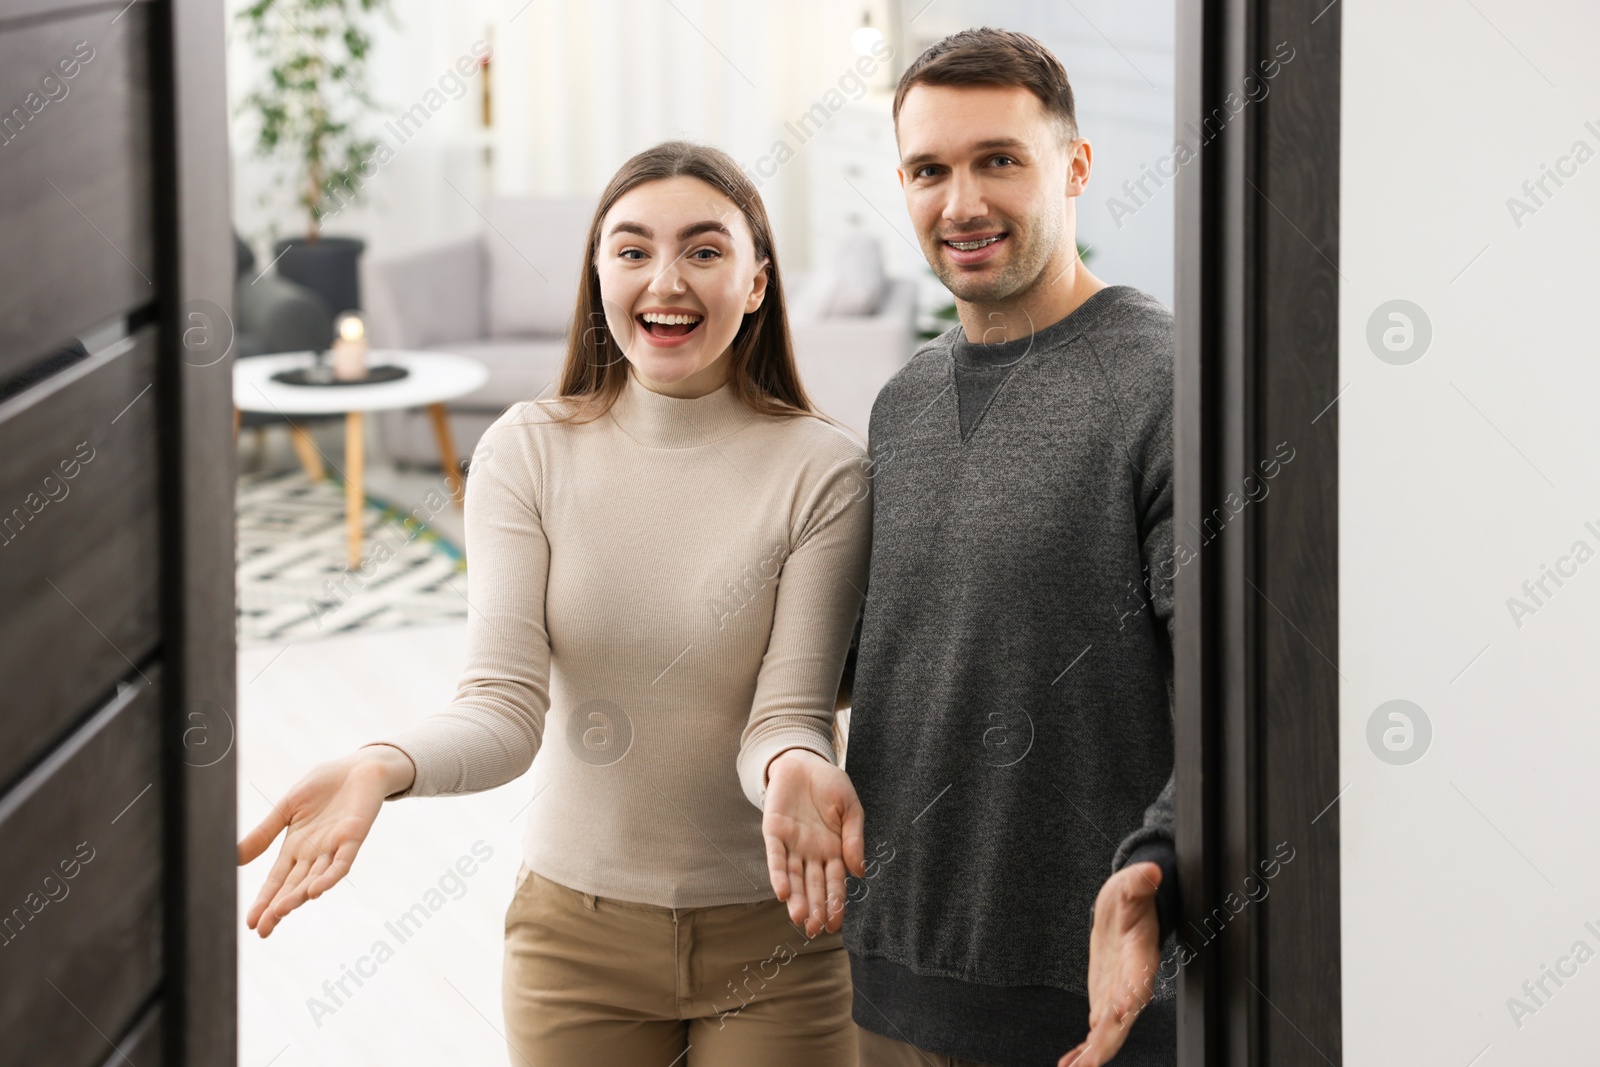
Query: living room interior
472	155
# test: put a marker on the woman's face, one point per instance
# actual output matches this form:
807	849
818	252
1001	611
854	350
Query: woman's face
678	274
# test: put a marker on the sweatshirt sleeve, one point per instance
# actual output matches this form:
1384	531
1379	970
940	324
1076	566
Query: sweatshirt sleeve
820	589
1151	456
489	733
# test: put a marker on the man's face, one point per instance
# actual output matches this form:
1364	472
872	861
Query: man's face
986	177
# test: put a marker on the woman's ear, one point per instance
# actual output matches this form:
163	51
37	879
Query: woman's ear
758	288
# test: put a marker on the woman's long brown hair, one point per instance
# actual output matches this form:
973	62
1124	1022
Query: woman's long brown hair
761	370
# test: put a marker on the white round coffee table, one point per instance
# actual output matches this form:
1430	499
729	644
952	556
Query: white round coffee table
434	378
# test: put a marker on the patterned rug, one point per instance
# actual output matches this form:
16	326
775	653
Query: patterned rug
293	582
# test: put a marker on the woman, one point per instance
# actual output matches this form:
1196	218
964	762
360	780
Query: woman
667	560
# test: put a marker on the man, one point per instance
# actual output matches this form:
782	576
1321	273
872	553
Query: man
1011	735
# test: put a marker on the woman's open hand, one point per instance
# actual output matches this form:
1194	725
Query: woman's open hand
327	814
812	823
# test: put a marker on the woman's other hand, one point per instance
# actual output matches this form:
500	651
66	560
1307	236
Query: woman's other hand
327	814
812	823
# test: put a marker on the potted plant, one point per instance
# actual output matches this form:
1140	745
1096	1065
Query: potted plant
310	115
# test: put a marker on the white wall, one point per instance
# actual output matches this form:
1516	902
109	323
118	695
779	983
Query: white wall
1463	474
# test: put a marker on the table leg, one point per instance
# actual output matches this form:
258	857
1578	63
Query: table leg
447	453
354	456
306	449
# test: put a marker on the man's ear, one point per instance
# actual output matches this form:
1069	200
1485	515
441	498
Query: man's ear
758	287
899	172
1078	175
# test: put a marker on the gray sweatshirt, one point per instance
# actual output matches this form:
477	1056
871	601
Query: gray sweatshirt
1011	732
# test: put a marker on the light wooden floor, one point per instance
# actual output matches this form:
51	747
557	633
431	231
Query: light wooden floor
436	1000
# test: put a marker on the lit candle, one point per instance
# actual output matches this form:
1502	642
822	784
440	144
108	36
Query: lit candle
350	347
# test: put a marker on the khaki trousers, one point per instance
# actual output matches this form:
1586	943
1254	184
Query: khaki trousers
588	980
879	1051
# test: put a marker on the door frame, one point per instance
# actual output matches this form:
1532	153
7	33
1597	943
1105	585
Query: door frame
1256	613
195	394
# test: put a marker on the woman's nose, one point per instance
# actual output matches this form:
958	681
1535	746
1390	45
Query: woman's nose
669	279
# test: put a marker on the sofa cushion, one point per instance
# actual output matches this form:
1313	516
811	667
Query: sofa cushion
849	284
520	368
534	248
861	282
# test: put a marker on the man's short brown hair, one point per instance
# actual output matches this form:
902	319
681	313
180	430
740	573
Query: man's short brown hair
987	56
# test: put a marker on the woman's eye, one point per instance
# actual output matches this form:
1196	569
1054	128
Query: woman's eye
634	254
705	255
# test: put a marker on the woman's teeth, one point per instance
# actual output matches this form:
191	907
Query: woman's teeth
669	324
968	246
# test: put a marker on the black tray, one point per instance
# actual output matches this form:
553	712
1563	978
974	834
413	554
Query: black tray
383	372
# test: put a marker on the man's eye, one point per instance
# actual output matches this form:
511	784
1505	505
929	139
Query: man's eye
925	171
1003	159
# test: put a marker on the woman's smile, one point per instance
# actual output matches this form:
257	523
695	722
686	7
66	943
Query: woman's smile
668	327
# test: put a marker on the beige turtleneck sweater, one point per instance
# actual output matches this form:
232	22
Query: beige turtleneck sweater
660	601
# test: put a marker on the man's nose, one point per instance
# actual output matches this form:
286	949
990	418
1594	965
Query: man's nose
965	200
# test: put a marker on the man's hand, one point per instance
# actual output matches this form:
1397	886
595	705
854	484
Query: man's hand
812	824
1124	952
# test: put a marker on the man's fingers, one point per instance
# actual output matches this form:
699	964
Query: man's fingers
1104	1042
1143	880
1080	1056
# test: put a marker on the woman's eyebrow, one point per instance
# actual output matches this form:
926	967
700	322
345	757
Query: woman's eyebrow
708	226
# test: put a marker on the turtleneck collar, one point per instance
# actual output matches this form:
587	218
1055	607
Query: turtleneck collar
660	421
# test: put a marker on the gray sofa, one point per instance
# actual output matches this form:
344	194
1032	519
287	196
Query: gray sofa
506	298
272	314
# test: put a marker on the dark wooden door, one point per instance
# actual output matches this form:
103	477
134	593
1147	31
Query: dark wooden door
1257	462
117	794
